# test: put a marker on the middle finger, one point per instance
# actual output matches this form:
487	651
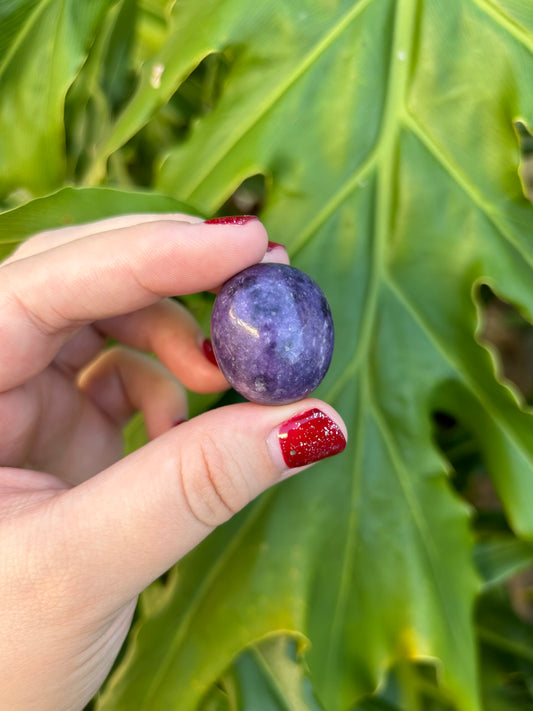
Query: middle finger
172	333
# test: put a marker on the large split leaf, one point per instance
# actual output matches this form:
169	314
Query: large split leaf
385	130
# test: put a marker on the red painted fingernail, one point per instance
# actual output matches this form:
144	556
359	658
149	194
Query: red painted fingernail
209	353
273	245
178	422
309	437
231	220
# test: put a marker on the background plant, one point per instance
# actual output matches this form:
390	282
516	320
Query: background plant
380	141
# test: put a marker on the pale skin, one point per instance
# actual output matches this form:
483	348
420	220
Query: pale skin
83	530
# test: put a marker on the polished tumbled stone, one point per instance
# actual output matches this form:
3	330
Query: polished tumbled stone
272	333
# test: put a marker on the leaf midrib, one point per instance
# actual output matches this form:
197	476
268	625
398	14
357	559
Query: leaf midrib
400	58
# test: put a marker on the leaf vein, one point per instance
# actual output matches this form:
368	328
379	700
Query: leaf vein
504	21
475	195
312	227
252	119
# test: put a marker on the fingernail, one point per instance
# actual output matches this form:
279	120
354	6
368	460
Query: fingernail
273	245
309	437
209	353
277	253
231	220
177	422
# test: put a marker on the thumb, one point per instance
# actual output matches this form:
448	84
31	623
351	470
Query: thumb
123	528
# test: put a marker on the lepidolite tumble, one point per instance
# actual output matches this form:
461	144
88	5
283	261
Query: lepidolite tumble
272	333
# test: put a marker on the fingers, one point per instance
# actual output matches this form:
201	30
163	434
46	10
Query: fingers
48	296
54	238
166	329
121	382
170	331
123	528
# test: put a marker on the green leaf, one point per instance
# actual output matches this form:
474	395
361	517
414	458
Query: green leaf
205	627
117	62
500	558
270	677
101	86
506	655
13	15
386	134
374	704
71	206
409	686
217	701
44	47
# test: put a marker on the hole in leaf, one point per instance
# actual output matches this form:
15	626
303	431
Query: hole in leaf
508	560
510	335
504	610
170	125
525	141
200	92
505	673
249	197
470	478
408	684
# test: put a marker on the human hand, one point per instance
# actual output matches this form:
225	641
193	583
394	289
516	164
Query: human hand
83	531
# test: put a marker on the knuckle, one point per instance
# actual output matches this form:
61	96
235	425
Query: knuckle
23	304
213	482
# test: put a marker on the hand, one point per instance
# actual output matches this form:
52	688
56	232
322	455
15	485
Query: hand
84	531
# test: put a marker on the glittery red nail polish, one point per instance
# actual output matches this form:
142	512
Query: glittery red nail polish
309	437
231	220
209	353
273	245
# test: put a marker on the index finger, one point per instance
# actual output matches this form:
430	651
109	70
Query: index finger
47	296
44	241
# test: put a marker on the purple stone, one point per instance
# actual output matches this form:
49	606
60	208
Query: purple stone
272	333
